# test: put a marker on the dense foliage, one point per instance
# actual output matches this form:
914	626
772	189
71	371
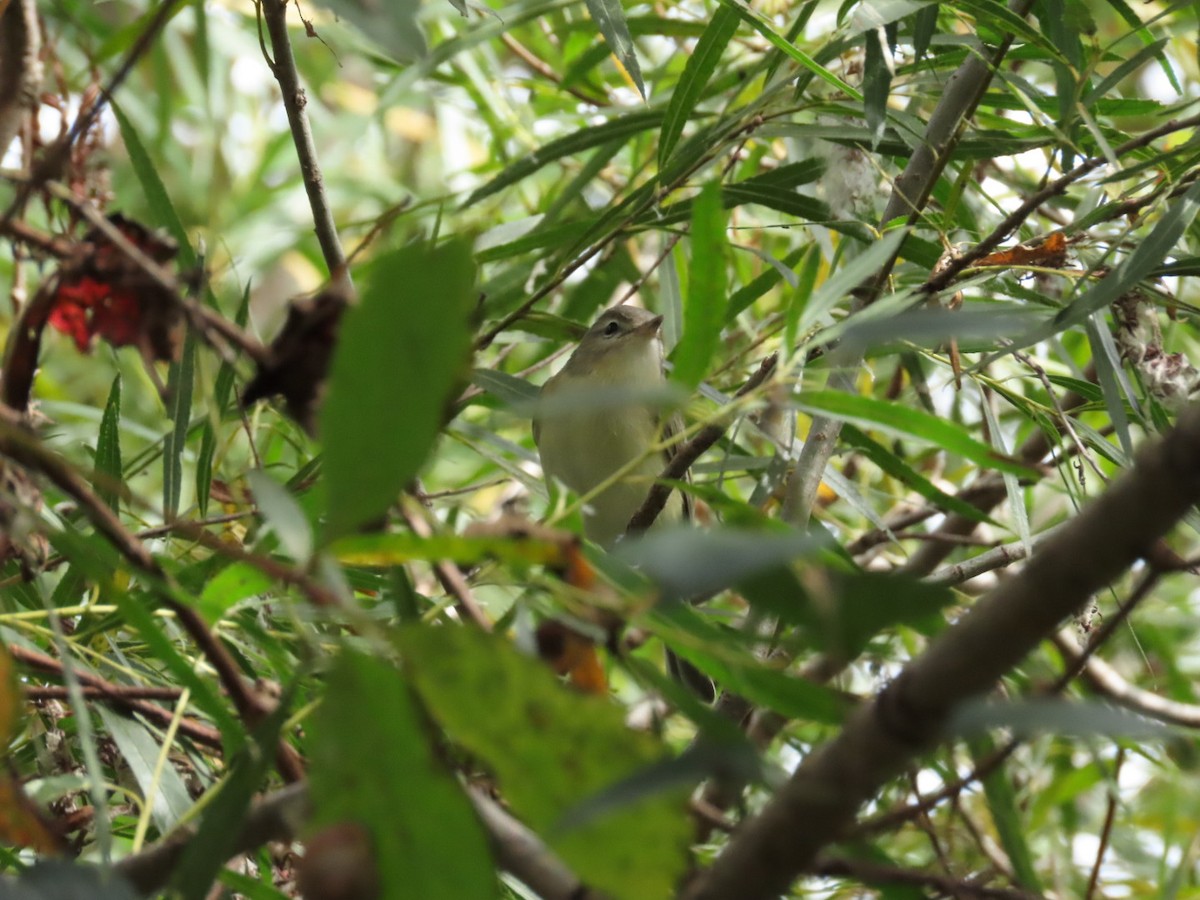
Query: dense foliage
927	280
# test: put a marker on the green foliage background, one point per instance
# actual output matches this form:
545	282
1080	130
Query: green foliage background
498	191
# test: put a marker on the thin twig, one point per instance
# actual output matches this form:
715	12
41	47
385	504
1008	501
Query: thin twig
1030	205
283	67
873	873
124	698
50	165
451	576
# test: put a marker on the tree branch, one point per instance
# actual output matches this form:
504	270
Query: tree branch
906	718
283	67
961	95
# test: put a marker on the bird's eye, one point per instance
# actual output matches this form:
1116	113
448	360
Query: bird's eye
611	328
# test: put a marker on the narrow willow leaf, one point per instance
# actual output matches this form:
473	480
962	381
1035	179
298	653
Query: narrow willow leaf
157	198
374	765
609	17
877	82
890	463
908	422
621	128
107	480
141	751
696	73
181	382
704	309
1002	804
759	23
399	357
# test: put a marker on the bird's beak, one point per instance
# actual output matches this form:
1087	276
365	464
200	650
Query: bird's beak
650	328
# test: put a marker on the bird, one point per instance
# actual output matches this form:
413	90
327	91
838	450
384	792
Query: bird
597	419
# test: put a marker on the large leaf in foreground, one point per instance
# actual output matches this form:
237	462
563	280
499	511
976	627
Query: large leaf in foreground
551	749
373	766
400	353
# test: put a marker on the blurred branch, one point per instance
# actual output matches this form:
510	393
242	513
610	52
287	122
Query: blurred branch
908	717
125	698
283	67
20	67
281	816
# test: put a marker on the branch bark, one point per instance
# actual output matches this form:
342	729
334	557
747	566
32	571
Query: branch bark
908	717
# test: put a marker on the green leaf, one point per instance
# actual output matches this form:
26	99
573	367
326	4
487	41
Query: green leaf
621	128
551	748
180	386
1002	804
890	463
609	16
704	311
907	422
372	763
157	198
400	353
171	800
284	516
696	72
107	479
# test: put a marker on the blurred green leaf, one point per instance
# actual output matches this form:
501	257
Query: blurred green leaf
551	748
704	310
376	437
373	764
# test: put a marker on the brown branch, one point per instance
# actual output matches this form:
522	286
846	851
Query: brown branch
21	446
283	67
451	577
688	453
20	67
872	873
124	698
906	719
1017	217
282	816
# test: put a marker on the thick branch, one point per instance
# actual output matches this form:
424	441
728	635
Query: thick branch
20	68
907	718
